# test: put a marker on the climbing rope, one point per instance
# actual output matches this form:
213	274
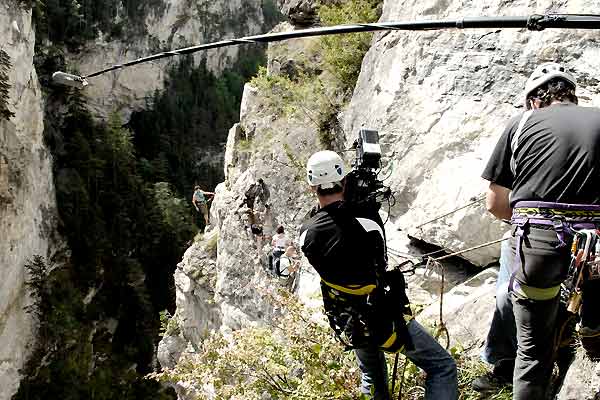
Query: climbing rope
394	375
402	380
394	371
433	264
473	201
479	246
441	329
425	256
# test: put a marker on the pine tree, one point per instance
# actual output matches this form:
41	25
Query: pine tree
5	113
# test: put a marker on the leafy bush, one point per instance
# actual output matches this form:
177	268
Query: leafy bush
307	96
296	358
343	54
297	164
168	324
312	94
174	211
271	13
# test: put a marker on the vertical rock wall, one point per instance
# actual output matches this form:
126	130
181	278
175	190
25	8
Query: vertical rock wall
181	23
440	100
27	199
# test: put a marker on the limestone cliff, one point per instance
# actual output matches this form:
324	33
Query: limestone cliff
179	23
27	198
28	216
439	101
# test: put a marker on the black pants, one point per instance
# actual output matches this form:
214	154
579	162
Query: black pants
590	317
542	264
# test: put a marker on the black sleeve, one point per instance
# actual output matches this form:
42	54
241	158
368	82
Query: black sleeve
498	169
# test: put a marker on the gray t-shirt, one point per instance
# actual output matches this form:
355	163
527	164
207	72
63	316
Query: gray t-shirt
557	157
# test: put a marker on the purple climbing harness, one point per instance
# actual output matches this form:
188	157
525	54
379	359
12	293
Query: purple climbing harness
564	219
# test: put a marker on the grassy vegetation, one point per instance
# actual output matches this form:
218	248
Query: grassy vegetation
295	163
168	324
325	79
343	54
307	96
297	357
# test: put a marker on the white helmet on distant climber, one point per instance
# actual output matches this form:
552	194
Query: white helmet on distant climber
544	73
325	169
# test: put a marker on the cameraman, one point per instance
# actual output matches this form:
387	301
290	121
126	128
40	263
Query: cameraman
348	252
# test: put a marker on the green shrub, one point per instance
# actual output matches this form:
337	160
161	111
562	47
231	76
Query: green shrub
311	94
306	96
271	13
174	211
343	54
297	358
168	324
295	163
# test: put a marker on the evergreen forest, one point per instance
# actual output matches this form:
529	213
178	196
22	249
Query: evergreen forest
124	200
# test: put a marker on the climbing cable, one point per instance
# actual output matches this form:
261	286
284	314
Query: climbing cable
441	329
474	200
457	253
533	22
427	256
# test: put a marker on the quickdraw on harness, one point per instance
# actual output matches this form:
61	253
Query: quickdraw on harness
584	268
370	315
582	222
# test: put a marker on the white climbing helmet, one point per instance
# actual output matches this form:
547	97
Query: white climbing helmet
545	72
325	168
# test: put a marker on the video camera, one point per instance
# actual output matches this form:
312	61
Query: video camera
364	191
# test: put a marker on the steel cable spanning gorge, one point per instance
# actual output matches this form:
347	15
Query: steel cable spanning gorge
534	22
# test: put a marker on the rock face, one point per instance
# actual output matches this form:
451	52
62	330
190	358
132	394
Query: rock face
27	199
182	23
222	290
222	281
302	13
440	100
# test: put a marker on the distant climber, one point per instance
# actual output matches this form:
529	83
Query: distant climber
287	268
252	224
279	243
256	191
200	200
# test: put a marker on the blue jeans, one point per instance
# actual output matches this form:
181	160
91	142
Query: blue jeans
501	342
441	382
